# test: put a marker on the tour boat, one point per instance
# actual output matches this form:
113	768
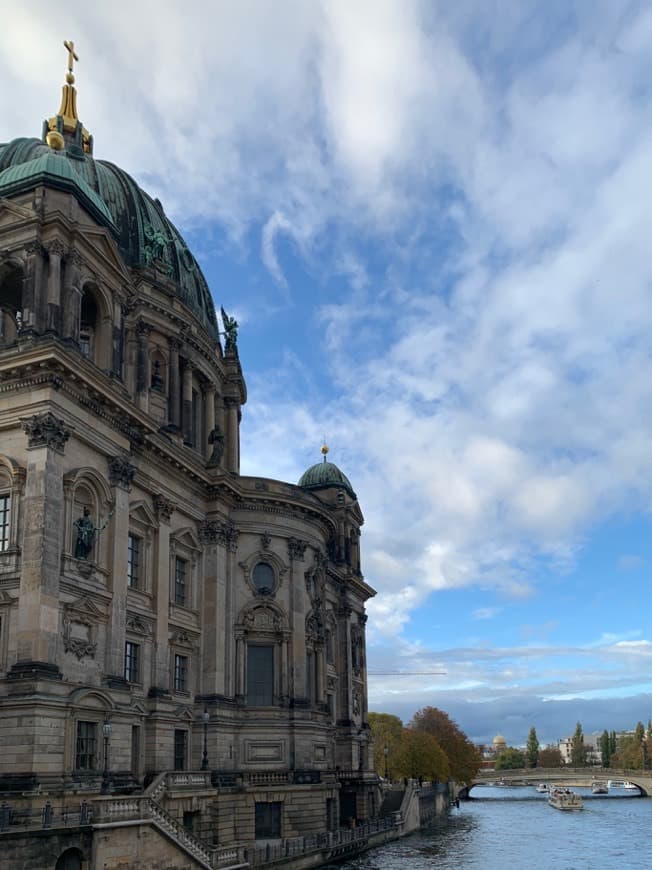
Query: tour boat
565	799
599	788
616	783
630	786
542	788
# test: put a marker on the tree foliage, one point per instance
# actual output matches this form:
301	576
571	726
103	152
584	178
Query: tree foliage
605	748
550	756
510	759
578	749
387	731
532	748
420	755
629	754
463	758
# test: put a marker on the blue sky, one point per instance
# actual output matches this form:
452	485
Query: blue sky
432	221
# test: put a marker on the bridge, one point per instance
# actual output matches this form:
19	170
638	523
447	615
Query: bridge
562	776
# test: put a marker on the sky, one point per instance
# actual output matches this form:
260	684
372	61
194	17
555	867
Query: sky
432	222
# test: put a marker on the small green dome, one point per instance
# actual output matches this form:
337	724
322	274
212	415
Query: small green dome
144	234
53	170
323	475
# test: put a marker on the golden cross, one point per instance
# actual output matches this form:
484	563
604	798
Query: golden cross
68	44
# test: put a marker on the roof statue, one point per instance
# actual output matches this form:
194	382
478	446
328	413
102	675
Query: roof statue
230	332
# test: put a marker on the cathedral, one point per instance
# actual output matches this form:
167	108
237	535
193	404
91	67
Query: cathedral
169	628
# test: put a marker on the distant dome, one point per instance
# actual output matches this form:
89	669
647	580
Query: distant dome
499	740
145	236
323	475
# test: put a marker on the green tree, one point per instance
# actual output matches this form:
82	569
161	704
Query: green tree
613	744
629	755
639	732
550	756
419	755
510	759
387	731
532	748
463	758
578	750
605	748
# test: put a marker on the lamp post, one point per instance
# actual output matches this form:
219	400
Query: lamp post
386	752
204	759
106	731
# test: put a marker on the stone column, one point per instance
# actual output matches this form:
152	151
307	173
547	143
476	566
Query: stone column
232	453
32	288
38	615
143	331
161	590
345	668
56	252
173	380
121	473
209	398
187	402
72	296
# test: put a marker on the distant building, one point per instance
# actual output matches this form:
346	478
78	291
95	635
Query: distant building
591	746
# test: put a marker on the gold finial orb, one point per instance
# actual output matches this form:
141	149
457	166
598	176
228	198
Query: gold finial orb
55	140
324	449
70	78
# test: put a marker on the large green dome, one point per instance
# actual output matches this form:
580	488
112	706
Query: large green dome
325	474
145	236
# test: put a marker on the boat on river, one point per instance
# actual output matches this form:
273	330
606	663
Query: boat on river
599	788
542	788
616	783
630	786
565	799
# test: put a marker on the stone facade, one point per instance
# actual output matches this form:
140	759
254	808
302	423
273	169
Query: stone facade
158	610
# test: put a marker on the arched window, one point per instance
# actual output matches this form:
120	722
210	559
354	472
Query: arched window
88	324
11	305
263	578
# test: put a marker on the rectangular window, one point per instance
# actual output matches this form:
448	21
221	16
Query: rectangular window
260	675
268	820
180	673
86	749
5	521
180	749
180	581
133	561
132	662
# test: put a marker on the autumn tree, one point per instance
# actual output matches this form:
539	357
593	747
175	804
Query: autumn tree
420	755
629	754
550	756
387	731
510	759
532	748
463	758
578	749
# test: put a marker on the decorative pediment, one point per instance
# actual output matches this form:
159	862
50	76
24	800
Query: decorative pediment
137	625
85	607
184	713
264	618
186	538
182	638
140	512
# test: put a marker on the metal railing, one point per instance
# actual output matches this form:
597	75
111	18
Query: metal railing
329	843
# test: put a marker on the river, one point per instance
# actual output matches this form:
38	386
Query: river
515	829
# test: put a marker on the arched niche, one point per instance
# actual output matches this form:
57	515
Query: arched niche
95	325
11	301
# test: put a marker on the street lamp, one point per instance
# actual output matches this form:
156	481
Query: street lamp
106	731
204	760
386	752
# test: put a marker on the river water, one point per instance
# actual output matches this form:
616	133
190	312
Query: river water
515	829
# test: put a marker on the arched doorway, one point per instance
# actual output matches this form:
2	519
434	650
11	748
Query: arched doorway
71	859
